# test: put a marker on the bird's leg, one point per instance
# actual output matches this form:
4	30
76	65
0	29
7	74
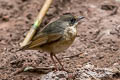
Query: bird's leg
51	56
69	76
59	62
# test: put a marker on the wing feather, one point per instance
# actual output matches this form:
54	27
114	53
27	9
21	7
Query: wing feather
50	33
42	40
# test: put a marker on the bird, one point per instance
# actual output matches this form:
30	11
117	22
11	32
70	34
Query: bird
55	37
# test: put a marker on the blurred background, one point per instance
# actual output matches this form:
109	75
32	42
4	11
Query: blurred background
98	42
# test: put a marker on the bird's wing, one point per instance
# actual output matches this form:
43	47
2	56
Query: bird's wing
50	33
42	40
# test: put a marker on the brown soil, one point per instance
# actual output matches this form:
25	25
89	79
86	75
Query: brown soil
98	42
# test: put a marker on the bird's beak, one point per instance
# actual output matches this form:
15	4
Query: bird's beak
79	18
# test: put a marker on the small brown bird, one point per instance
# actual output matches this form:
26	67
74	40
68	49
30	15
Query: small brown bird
56	36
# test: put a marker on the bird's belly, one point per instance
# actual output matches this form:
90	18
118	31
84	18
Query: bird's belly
58	46
63	44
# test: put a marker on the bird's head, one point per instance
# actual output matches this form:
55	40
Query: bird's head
70	20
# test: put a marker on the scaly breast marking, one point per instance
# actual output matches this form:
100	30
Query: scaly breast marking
70	33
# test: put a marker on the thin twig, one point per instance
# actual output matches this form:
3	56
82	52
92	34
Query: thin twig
37	22
76	55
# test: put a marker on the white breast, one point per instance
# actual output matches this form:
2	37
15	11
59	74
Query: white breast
70	33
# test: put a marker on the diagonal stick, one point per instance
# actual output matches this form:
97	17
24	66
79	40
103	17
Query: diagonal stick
37	22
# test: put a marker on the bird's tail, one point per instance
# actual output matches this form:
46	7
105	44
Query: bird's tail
26	47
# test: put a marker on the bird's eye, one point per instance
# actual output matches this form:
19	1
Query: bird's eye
72	21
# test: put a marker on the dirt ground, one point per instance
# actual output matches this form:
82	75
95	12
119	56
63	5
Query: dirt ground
98	42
